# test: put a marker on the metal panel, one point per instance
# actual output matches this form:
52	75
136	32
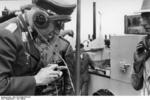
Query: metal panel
122	49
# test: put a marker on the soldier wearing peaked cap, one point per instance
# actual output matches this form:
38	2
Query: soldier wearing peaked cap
141	73
57	51
21	67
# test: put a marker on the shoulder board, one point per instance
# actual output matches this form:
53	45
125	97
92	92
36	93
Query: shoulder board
62	38
11	27
24	36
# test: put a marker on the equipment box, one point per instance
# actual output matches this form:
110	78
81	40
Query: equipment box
122	50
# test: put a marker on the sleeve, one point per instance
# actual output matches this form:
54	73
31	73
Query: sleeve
9	84
138	65
137	80
69	78
140	56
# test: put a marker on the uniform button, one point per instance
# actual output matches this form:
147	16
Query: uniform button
56	45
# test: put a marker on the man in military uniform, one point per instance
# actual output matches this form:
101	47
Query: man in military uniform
140	77
57	50
21	69
85	63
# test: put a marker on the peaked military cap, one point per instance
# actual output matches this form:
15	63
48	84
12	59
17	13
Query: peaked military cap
61	7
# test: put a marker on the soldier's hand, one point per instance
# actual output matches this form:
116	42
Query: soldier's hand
140	47
47	75
71	33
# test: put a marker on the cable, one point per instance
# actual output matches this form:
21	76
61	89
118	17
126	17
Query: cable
56	89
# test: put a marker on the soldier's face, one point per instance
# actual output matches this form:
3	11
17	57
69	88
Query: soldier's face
145	21
48	32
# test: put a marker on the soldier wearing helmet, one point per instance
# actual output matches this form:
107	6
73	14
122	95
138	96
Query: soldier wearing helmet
21	66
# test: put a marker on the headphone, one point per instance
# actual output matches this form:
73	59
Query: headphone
40	19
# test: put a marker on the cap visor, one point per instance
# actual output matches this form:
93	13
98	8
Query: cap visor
143	11
60	17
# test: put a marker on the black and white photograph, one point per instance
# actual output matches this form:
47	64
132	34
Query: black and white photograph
97	48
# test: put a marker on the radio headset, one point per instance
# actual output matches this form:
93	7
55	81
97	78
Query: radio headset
40	19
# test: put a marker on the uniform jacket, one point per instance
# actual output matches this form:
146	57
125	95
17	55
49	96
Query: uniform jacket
58	52
18	60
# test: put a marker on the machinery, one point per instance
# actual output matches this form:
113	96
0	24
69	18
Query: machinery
113	69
